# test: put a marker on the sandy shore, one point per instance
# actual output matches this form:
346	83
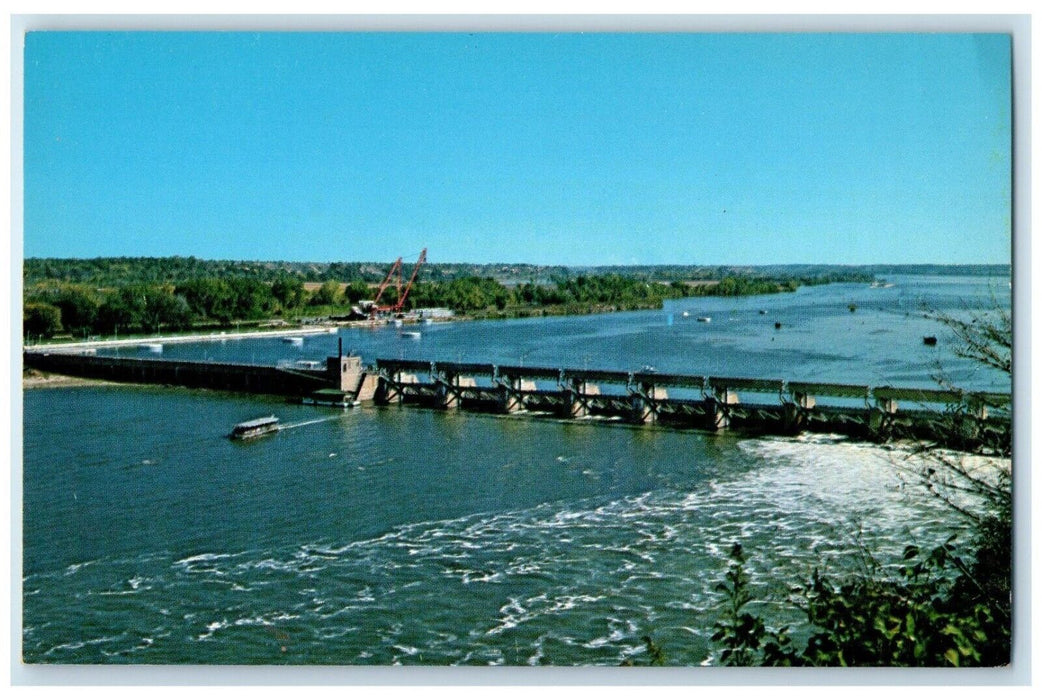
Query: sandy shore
34	379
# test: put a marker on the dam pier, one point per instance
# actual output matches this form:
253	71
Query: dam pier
646	397
709	403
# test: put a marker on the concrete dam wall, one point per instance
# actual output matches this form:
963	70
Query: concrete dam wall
770	406
254	379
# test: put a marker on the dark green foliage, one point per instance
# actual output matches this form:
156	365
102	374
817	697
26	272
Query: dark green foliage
164	310
615	290
40	319
78	305
123	310
937	609
253	298
142	308
464	295
208	298
326	295
356	291
744	286
738	631
907	620
288	291
656	654
237	298
531	294
743	637
583	293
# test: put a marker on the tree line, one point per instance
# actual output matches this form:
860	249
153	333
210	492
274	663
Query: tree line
593	292
103	272
79	309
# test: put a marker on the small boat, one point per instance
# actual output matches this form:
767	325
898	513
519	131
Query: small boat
309	364
411	334
929	340
763	312
151	347
428	321
685	314
704	319
777	325
255	428
293	340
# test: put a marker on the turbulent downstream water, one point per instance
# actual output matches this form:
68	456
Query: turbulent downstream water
388	535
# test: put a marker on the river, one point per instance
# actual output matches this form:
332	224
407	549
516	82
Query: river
390	535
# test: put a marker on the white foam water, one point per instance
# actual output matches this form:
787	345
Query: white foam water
562	582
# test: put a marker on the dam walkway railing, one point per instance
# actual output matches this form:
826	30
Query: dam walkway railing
963	419
701	401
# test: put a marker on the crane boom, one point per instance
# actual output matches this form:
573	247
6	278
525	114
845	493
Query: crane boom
408	288
395	274
396	267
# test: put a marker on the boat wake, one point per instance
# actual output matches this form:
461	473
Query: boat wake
314	421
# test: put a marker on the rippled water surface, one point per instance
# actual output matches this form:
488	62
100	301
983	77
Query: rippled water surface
387	535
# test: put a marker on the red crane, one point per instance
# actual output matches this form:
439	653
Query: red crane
403	294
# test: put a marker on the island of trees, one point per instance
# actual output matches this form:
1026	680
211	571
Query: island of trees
113	296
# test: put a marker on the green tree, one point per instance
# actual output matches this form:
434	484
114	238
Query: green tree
289	292
326	295
123	310
39	319
252	298
79	308
208	298
165	310
357	291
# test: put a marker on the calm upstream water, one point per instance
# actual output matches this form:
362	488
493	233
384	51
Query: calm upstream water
388	535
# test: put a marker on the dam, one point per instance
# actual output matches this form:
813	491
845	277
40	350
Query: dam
965	420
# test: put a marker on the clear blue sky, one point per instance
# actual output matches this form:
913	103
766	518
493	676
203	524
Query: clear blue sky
543	148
